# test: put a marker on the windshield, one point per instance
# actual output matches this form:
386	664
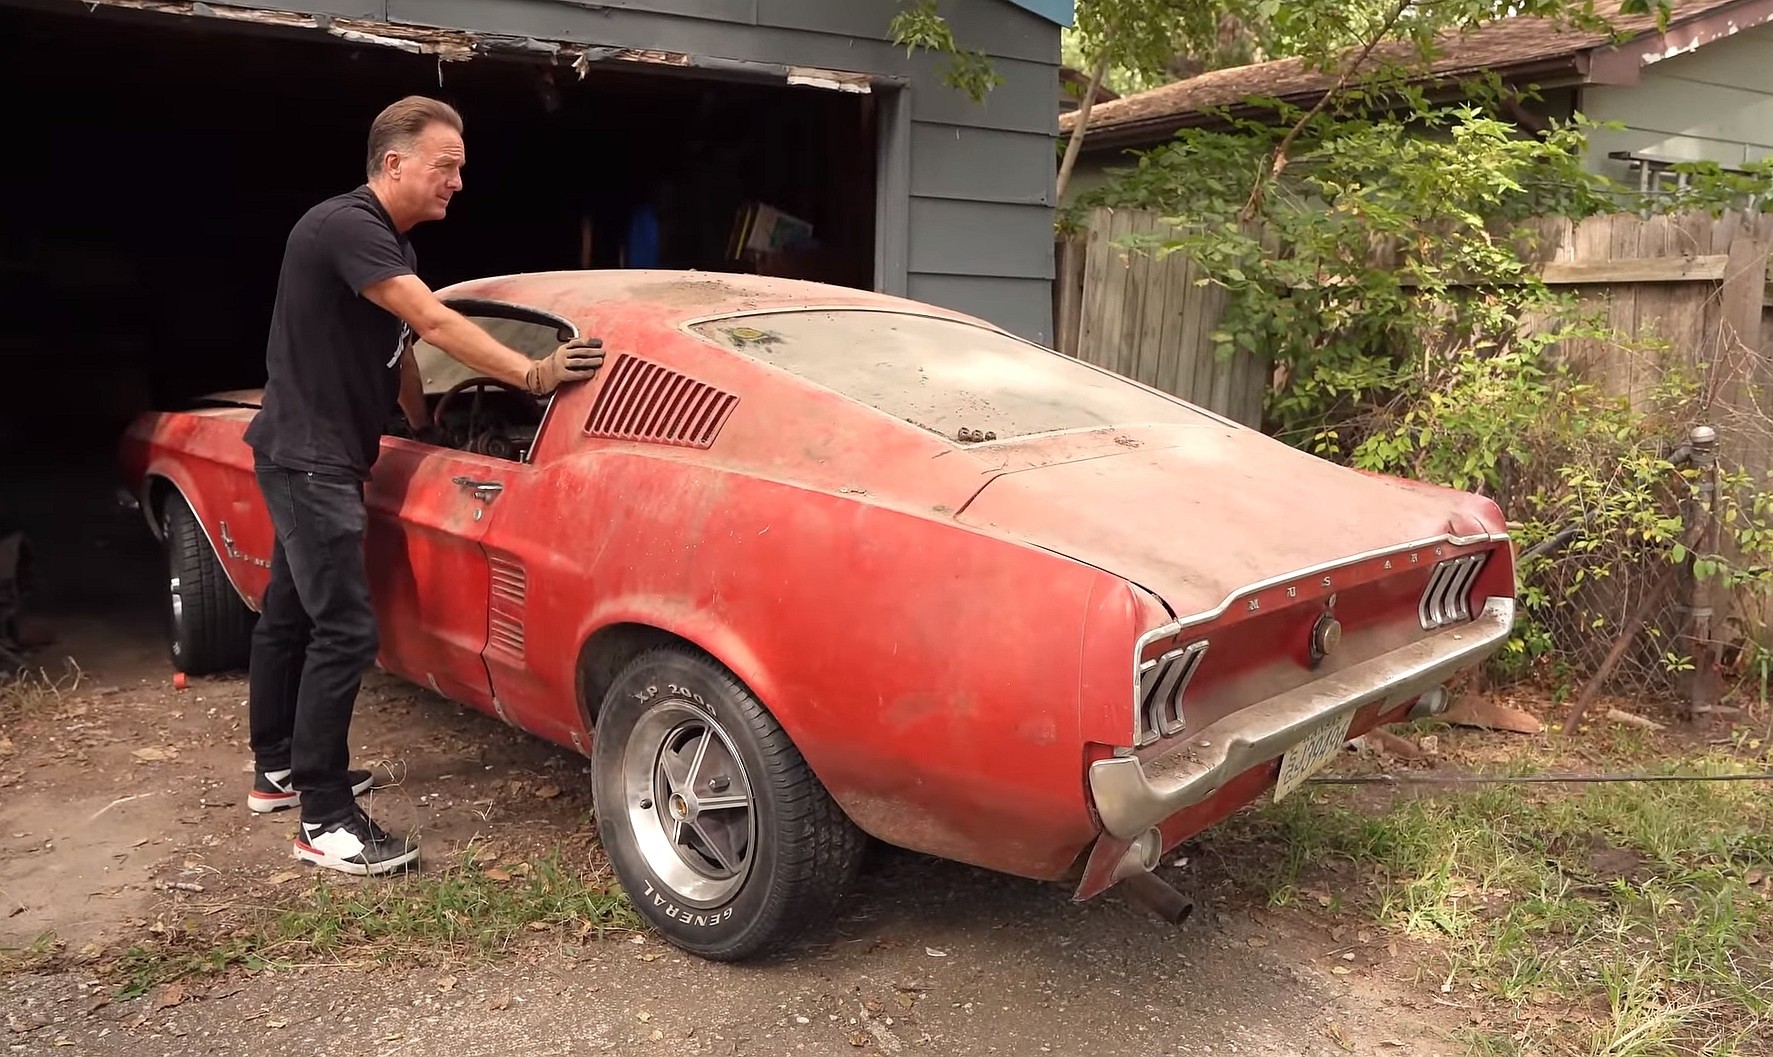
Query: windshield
956	379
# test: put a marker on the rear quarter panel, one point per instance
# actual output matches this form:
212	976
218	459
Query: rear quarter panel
929	674
928	671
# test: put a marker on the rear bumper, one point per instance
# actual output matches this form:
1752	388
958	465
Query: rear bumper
1133	795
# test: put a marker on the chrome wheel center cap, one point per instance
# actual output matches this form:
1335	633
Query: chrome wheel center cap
680	807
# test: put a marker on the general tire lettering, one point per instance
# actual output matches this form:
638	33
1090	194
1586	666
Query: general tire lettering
806	850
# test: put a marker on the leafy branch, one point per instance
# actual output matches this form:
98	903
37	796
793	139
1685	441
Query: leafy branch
920	25
1279	159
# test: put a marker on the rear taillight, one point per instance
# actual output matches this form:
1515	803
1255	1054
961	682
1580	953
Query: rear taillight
1161	686
1447	598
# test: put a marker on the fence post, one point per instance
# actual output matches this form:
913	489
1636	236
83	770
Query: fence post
1702	687
1069	250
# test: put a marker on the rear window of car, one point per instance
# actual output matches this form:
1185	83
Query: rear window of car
959	380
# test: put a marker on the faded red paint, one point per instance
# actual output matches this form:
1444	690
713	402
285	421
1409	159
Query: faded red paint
946	631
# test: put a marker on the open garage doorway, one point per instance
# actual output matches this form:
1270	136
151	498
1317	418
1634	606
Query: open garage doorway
160	160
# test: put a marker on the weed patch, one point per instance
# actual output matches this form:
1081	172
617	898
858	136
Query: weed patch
27	691
1607	920
469	910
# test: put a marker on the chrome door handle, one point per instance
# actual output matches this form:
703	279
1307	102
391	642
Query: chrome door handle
483	490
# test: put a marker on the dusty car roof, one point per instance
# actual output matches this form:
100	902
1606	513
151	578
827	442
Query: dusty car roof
671	297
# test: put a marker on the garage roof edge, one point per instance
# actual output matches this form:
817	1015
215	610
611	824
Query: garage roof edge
1064	12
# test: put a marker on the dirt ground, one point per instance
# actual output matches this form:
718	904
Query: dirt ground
123	786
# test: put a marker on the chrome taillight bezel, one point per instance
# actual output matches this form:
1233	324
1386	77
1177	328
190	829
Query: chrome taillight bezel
1159	686
1446	598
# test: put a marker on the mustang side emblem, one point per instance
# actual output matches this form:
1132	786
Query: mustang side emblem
234	552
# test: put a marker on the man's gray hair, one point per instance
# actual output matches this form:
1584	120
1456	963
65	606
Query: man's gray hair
395	128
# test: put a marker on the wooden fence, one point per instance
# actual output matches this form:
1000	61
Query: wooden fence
1149	319
1689	291
1694	281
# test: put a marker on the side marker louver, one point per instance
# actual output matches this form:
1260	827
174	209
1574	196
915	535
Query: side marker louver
1447	598
1162	684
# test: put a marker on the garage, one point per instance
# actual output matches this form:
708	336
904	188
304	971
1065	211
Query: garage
163	148
145	236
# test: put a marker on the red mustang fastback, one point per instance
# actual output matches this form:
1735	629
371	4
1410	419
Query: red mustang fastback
804	565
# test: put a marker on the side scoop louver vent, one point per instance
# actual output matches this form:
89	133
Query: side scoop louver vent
1447	598
1162	684
646	402
510	591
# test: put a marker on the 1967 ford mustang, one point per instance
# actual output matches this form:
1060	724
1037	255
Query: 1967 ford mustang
804	565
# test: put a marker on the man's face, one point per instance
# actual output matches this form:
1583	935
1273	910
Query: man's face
426	179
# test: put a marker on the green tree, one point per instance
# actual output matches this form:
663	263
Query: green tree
1383	258
1151	40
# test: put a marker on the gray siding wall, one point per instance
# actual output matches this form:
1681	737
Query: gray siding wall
973	210
1712	104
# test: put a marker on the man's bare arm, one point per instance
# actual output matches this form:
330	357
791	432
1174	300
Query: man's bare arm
456	334
433	321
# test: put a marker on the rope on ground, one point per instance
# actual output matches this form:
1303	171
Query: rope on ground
1431	778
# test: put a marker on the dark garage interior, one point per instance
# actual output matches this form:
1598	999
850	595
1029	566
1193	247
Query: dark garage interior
160	160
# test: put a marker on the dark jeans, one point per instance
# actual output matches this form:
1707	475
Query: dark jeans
316	635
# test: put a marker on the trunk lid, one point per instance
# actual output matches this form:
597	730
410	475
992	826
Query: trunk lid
1196	514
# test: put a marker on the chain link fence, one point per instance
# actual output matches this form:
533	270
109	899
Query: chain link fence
1663	600
1603	606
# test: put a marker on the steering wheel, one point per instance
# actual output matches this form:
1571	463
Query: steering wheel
477	383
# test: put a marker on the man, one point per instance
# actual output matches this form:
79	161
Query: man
339	359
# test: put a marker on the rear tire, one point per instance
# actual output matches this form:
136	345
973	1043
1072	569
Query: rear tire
209	628
756	852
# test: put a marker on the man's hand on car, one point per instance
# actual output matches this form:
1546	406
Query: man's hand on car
578	359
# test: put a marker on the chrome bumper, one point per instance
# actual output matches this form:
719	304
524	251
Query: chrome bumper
1133	795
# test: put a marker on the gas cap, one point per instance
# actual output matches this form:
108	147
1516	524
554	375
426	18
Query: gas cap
1326	635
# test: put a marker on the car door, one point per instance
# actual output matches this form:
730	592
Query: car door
540	549
429	508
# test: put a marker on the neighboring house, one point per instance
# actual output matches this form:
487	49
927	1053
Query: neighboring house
1701	91
585	121
1074	85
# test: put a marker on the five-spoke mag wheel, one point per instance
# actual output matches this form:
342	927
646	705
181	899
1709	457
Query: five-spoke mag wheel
719	831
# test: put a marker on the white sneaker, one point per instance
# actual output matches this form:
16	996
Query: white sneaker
353	845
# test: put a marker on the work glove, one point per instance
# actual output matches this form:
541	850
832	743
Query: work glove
578	359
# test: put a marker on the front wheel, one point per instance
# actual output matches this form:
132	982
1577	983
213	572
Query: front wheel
724	839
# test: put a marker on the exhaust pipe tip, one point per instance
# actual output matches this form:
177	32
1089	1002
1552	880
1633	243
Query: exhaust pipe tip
1135	874
1158	896
1431	703
1142	856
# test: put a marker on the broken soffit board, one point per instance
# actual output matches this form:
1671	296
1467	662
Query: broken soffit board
456	45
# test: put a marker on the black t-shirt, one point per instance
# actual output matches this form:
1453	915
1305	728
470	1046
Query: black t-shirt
333	356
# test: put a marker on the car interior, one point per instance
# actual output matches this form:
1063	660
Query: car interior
480	414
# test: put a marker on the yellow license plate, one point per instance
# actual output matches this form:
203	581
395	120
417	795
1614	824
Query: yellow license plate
1311	753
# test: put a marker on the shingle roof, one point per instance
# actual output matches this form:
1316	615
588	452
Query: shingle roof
1518	47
